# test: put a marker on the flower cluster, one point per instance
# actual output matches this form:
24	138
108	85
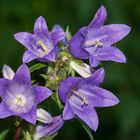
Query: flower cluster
63	55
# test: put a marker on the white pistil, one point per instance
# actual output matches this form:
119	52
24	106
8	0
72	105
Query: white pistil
20	100
96	43
84	100
44	48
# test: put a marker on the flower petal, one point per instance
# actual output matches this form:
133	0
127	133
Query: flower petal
99	18
96	78
23	75
86	113
30	116
8	73
67	112
40	26
57	28
58	36
4	112
111	53
25	39
52	55
44	116
65	86
108	34
28	56
76	44
94	62
97	96
3	86
42	93
48	129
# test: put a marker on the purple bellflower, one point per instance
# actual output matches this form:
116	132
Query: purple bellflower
81	95
42	45
95	41
48	128
19	96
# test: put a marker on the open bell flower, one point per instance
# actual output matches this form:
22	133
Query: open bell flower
96	42
42	45
81	95
47	128
19	96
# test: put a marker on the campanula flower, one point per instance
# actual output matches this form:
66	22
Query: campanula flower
48	129
42	45
96	42
81	95
19	96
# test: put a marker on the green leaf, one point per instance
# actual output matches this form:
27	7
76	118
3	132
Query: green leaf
3	134
87	129
37	67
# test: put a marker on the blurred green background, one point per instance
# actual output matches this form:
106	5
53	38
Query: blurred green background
121	122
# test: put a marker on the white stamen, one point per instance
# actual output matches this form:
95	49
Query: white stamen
20	100
44	48
96	43
84	100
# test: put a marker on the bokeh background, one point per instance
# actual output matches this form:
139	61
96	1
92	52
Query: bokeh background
121	122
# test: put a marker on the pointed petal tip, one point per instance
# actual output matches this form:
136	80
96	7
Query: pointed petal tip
112	102
126	28
16	35
101	71
120	57
28	57
40	18
116	101
102	7
23	74
23	66
99	17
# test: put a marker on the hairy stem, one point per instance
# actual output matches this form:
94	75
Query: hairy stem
19	130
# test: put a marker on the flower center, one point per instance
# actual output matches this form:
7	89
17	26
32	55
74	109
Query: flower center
83	98
43	47
96	43
20	100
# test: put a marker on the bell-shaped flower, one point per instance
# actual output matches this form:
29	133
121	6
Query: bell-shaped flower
42	45
82	95
96	42
48	128
19	96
